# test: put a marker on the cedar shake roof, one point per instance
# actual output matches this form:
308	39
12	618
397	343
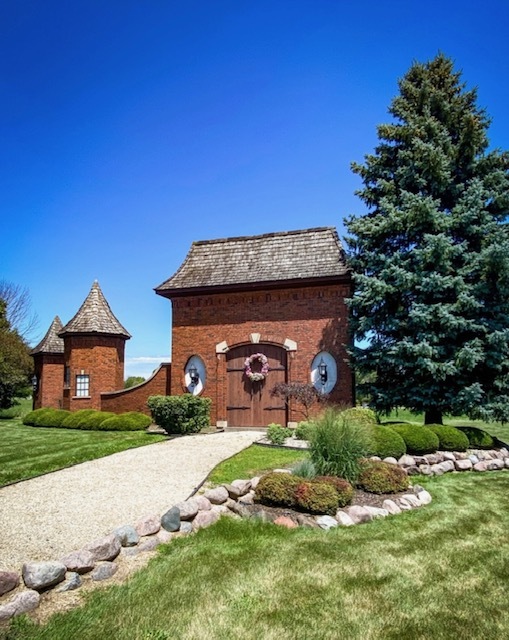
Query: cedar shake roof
265	260
95	316
52	342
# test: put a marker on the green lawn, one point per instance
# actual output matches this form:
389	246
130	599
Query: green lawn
438	572
26	452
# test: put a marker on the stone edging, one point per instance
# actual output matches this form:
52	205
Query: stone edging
199	511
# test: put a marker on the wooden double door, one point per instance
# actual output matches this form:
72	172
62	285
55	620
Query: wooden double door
249	403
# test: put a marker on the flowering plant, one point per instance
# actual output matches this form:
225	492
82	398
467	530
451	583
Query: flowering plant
256	376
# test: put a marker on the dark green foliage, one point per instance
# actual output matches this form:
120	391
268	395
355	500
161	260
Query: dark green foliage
141	420
121	422
478	438
278	434
337	445
16	365
450	438
132	381
418	440
431	255
316	497
180	414
277	489
385	442
343	488
382	477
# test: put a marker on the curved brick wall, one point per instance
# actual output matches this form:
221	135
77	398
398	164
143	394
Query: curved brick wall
135	398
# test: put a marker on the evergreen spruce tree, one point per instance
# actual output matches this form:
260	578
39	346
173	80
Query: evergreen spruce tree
431	255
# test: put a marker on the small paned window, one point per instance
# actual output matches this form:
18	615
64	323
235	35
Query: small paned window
82	385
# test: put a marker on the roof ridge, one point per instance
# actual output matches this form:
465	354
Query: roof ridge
273	234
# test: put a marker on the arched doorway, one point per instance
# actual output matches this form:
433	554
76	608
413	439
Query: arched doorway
249	404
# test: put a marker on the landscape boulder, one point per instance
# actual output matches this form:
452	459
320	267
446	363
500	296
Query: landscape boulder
41	575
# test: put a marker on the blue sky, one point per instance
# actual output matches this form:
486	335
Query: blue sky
130	129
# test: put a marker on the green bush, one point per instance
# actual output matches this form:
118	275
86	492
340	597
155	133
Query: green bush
78	419
361	416
278	434
316	497
477	438
382	477
94	421
337	445
304	469
33	416
118	423
140	419
385	442
277	489
180	414
343	488
419	440
449	438
304	430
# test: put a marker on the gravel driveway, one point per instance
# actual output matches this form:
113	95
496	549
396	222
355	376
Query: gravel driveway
48	517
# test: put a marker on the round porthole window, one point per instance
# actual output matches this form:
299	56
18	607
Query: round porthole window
324	372
194	375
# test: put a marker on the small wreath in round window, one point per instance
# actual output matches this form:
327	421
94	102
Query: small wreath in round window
256	376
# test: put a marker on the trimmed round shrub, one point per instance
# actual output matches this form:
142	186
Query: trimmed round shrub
450	438
180	414
56	417
419	440
382	477
140	419
478	438
77	419
33	417
277	489
360	416
122	422
94	421
385	442
316	497
305	430
343	488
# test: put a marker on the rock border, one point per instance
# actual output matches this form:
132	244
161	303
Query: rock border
96	561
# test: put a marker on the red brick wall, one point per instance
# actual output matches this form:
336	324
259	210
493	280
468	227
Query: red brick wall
315	317
135	398
100	357
49	369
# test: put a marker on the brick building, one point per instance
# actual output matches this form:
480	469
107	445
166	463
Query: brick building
76	363
277	300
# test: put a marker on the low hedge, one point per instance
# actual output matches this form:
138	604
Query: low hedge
386	443
450	438
319	495
478	438
418	440
87	420
180	414
361	416
382	477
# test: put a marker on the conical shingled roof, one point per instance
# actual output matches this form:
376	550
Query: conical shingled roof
95	316
52	342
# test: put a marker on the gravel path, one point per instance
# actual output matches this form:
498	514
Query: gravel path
48	517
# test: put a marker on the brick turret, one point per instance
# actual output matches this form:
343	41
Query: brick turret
49	368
